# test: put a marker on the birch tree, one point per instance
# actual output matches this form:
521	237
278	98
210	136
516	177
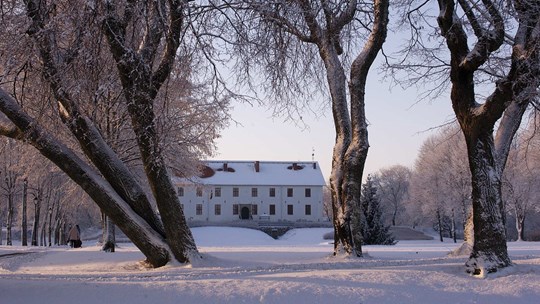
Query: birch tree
283	38
500	39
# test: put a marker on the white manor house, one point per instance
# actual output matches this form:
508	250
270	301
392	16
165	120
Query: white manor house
254	190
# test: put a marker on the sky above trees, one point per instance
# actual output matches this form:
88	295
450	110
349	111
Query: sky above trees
398	125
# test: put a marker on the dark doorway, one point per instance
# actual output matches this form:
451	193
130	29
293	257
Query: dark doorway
244	213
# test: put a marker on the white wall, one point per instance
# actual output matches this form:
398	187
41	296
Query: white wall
263	202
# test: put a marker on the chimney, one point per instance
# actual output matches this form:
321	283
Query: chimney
225	167
314	165
295	166
257	166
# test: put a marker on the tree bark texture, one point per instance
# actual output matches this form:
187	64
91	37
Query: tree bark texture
143	236
487	155
112	186
351	145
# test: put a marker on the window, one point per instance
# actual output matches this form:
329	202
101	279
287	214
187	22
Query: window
289	192
199	191
272	210
235	192
180	191
254	209
254	192
272	192
235	209
198	210
217	209
308	192
217	192
290	209
308	209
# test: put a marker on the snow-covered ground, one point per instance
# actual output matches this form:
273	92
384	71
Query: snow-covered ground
247	266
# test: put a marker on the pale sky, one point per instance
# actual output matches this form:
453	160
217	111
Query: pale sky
398	125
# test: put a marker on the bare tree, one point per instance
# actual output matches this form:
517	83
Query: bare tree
440	183
143	39
505	51
284	37
520	180
393	188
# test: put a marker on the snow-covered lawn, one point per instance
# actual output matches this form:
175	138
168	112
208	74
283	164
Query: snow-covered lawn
247	266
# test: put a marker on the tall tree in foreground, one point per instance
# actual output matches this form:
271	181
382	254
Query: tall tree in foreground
517	80
143	39
285	37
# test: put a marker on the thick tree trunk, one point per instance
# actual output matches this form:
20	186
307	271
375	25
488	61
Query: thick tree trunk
141	84
341	210
489	251
335	76
351	147
179	235
356	154
509	100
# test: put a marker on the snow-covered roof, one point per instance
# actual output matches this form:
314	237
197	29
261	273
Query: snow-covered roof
263	173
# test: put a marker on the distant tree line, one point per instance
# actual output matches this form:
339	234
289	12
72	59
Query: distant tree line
436	191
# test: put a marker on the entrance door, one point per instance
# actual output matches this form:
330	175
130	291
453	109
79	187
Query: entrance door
244	213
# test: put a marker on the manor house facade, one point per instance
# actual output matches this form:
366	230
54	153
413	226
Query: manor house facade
254	190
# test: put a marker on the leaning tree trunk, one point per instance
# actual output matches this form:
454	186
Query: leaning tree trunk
141	85
151	243
122	199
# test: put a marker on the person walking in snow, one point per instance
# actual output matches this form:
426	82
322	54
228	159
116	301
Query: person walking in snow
74	237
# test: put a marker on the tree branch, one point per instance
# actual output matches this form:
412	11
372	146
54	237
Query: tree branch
489	42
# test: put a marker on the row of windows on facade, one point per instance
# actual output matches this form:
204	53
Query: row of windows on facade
236	192
254	209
